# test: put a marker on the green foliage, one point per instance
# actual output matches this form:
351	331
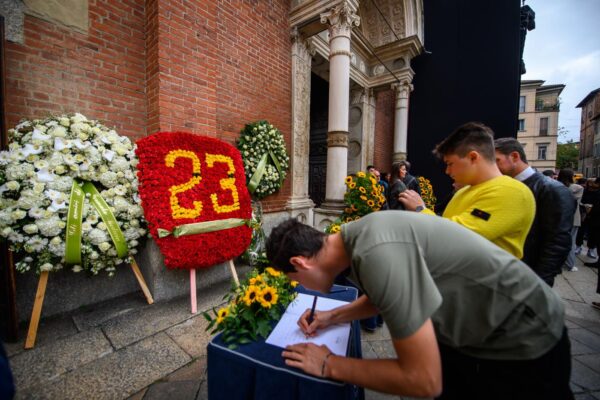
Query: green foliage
252	306
567	155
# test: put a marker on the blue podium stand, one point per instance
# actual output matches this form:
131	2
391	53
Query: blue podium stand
258	371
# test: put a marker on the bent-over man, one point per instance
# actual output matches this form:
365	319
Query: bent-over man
500	330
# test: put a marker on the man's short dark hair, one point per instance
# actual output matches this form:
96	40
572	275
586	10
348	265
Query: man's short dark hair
549	172
507	145
472	136
370	166
292	238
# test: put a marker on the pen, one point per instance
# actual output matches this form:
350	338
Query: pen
312	311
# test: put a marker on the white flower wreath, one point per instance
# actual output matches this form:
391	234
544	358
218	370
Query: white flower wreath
37	173
265	158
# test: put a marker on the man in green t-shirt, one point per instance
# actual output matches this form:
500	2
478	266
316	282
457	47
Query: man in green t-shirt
499	329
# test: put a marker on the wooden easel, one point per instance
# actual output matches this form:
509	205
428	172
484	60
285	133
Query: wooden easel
193	300
39	301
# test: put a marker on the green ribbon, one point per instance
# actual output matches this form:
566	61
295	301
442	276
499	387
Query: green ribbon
203	227
276	162
73	239
260	170
108	218
257	176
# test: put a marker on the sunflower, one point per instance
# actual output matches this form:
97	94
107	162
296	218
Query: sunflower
294	283
360	174
352	185
221	314
251	295
272	271
268	297
348	180
362	190
363	198
370	203
257	280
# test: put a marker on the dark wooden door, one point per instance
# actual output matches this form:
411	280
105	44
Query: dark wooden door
317	168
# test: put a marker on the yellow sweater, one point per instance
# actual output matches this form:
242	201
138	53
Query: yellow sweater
501	210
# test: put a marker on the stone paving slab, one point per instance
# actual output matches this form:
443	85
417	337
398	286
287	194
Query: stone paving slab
49	330
45	364
191	335
586	337
590	360
94	315
584	376
173	390
119	374
136	325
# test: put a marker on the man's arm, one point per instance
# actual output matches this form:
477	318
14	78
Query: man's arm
556	208
415	372
360	308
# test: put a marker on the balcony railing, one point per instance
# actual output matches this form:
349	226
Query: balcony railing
547	107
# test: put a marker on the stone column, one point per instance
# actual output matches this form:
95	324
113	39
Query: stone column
402	90
341	19
299	203
368	101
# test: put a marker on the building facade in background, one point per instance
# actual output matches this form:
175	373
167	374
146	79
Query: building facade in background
589	134
539	106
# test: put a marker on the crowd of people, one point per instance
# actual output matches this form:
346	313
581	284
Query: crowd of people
466	294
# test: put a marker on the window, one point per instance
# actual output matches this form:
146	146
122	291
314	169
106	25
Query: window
542	149
544	126
522	104
521	124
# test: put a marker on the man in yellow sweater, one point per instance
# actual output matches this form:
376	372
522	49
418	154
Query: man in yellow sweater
495	206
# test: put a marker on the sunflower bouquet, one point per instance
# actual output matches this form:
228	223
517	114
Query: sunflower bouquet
363	196
252	307
427	193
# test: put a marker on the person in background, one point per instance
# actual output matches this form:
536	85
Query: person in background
397	186
382	182
593	222
591	195
549	173
549	240
486	202
7	386
410	181
565	176
467	319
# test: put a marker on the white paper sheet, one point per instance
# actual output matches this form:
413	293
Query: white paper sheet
288	332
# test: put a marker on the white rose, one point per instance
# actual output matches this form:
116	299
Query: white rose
104	246
58	131
46	267
30	228
18	214
13	185
64	121
77	268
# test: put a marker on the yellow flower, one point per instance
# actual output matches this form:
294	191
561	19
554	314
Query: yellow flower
348	179
272	271
354	208
221	314
370	203
294	283
362	189
364	198
360	174
251	295
352	185
268	296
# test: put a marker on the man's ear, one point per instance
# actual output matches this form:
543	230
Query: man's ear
299	262
473	156
515	156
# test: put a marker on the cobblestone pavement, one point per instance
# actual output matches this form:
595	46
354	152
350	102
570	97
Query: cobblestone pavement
126	349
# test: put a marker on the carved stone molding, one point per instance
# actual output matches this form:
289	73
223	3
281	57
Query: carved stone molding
337	139
402	89
341	19
301	47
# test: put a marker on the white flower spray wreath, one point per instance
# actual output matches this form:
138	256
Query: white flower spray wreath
37	173
265	159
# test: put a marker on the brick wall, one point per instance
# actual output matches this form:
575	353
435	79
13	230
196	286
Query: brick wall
220	65
384	130
100	74
206	67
